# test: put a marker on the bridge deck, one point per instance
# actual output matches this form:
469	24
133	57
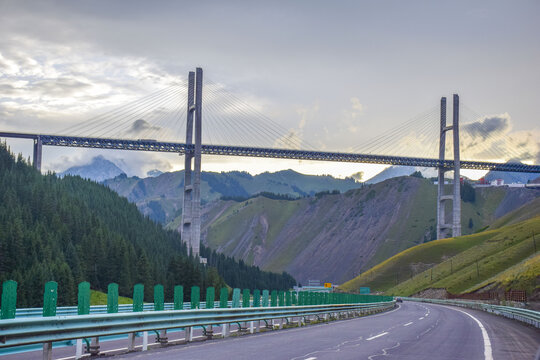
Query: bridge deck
181	148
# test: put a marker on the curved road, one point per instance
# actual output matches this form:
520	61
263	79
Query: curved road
413	331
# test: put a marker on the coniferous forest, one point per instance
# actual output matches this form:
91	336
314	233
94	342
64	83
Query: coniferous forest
71	230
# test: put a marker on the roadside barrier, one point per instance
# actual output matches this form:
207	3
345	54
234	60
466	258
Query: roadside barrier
19	327
530	317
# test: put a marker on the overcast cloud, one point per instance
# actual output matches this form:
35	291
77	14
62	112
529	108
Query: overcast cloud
334	74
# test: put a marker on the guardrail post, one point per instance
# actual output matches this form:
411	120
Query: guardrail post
138	306
159	305
178	297
210	297
9	300
246	297
195	303
223	303
257	303
83	308
50	296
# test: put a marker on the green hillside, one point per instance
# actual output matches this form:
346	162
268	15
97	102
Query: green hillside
502	257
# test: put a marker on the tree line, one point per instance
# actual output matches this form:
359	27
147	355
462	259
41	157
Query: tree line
71	230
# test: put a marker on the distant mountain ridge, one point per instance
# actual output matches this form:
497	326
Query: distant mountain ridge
395	171
160	197
99	169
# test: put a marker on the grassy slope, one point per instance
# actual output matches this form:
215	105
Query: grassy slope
453	262
239	216
100	298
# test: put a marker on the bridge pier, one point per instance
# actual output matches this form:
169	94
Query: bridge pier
455	197
191	210
38	151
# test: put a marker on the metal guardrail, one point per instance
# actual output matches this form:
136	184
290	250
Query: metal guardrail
530	317
33	330
102	309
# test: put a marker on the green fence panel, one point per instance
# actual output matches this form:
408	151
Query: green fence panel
288	298
256	298
281	298
178	297
112	298
236	298
301	298
245	298
274	298
50	296
138	298
159	298
223	298
210	297
83	298
265	298
294	298
195	297
9	300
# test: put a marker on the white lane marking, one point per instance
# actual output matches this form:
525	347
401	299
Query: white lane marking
487	344
422	318
407	324
311	358
376	336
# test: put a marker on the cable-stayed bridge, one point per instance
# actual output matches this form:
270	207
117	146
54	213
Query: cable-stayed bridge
228	150
236	128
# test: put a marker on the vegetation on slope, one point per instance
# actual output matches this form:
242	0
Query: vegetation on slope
487	259
72	230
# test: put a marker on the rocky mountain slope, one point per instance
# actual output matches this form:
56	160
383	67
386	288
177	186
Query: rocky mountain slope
334	237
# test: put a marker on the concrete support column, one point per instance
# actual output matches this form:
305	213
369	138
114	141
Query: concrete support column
38	150
187	206
196	221
456	225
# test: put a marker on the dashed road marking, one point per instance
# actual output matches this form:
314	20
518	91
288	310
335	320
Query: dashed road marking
376	336
421	318
407	324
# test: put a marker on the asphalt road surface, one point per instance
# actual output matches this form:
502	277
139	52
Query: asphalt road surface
413	331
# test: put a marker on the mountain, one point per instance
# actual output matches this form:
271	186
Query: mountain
160	197
395	171
334	237
154	173
502	257
511	177
99	170
71	230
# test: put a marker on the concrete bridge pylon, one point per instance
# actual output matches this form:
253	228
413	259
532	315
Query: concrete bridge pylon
443	228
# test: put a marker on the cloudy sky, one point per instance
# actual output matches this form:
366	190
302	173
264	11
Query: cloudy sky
334	74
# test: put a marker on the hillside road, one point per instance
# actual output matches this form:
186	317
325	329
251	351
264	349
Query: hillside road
412	331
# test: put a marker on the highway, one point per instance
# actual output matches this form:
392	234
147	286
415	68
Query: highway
412	331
